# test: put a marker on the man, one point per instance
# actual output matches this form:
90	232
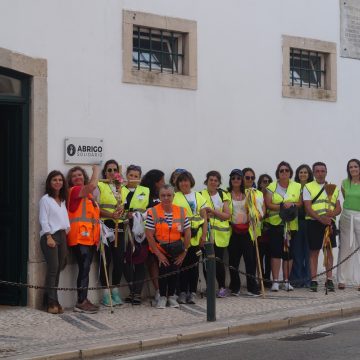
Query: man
321	210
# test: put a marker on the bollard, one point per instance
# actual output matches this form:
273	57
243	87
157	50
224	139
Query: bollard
210	281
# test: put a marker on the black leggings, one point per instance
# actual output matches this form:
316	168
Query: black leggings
84	255
135	276
167	285
220	267
116	256
189	278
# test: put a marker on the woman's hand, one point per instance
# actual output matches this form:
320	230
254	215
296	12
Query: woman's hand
202	240
288	205
162	259
50	241
180	258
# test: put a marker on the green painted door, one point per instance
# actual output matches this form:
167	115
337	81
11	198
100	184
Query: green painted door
14	175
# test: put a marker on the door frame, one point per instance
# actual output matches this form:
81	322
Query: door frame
36	70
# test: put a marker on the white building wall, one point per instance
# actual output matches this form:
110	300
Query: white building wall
236	118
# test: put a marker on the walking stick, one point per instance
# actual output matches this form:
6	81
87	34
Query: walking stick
102	250
258	262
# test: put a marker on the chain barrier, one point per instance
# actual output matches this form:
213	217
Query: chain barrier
175	272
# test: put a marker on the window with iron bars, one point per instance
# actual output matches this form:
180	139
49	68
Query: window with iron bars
157	50
307	68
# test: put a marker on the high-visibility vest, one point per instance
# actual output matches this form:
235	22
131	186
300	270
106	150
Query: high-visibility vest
84	223
322	204
107	199
163	233
195	219
220	229
140	199
293	193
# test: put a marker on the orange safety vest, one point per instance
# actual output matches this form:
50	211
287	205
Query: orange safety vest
84	223
164	233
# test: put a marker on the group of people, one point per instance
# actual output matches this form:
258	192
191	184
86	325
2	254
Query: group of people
141	223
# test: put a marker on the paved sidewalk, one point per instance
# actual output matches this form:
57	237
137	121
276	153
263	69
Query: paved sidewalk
28	333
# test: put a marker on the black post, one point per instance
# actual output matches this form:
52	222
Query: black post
210	281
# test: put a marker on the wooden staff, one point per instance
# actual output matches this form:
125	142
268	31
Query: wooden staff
106	275
258	260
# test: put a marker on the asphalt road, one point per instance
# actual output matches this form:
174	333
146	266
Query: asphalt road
333	340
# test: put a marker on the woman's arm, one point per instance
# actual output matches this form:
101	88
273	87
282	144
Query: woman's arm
269	204
91	186
221	215
44	222
151	240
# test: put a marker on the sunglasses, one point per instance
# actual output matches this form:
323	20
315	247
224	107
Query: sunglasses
265	181
110	170
250	178
284	171
235	178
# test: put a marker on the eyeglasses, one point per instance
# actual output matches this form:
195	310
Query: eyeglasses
235	178
265	181
250	178
284	170
110	170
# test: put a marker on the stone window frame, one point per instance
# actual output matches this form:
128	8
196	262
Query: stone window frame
329	92
186	80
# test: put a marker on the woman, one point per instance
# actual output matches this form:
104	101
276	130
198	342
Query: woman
283	195
240	240
84	234
168	233
195	206
174	176
54	222
136	201
111	210
300	272
348	273
154	180
264	242
218	213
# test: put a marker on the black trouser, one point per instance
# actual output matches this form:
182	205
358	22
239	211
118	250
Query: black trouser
265	259
242	245
116	256
56	260
189	278
167	284
84	255
220	267
135	276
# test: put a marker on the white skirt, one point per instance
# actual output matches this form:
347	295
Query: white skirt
349	272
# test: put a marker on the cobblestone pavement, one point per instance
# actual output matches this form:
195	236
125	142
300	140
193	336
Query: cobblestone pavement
26	332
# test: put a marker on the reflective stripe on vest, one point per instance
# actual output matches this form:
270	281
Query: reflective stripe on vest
83	217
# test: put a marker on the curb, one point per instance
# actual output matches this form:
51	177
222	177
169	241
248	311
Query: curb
188	337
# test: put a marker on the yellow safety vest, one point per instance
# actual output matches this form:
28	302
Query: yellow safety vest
140	199
293	193
107	200
195	219
321	205
221	229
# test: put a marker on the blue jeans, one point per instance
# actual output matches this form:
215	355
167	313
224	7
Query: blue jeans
300	273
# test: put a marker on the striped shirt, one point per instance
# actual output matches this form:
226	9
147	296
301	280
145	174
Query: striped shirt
168	218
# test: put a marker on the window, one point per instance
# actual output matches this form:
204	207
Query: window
309	69
159	50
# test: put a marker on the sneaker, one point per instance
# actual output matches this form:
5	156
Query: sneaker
86	307
106	300
275	286
313	286
254	293
190	299
116	298
60	308
235	293
288	287
330	285
136	299
182	298
172	302
161	304
222	293
52	307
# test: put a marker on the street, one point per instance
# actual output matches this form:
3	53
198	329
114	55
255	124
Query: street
334	339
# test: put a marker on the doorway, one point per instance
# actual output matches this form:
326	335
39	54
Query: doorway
14	184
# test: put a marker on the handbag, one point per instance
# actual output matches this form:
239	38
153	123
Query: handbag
174	248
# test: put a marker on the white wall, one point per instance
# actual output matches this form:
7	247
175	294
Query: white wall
236	118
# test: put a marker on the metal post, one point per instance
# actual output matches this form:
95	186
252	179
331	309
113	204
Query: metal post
210	281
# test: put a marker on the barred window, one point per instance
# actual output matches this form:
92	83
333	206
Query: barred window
307	68
157	50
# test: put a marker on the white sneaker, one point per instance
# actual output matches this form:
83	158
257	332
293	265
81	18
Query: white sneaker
161	304
172	302
190	299
288	287
182	298
157	295
275	286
